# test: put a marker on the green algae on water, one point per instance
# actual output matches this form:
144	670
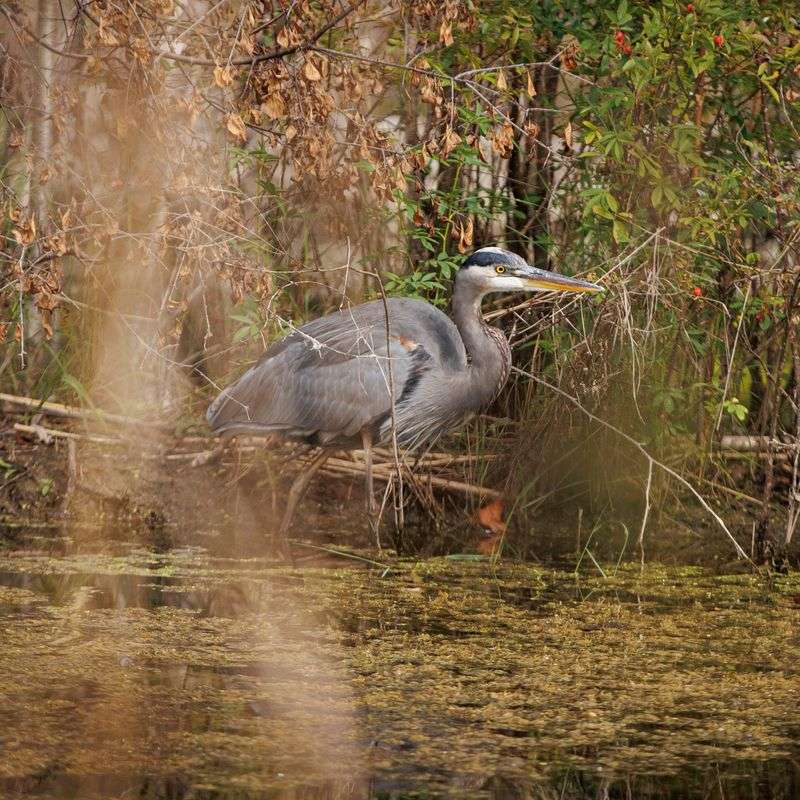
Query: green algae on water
234	677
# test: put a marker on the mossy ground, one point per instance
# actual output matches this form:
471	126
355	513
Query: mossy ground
184	675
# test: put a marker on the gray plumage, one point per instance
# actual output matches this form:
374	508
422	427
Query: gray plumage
328	383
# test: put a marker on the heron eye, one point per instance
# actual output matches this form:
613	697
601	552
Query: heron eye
499	269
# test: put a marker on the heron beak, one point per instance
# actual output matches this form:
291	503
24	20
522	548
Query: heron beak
543	281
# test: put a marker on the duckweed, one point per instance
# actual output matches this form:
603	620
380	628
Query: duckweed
178	674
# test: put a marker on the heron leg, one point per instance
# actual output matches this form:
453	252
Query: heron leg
299	487
366	440
372	508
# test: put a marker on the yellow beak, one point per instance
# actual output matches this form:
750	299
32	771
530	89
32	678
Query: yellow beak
544	281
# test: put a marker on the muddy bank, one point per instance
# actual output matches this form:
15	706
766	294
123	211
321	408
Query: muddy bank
144	488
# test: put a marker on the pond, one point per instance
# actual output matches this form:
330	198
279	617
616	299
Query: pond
181	674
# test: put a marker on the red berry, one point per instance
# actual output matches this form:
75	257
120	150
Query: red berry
627	49
697	291
719	40
690	8
619	36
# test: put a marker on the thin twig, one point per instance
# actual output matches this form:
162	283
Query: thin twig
395	451
43	433
646	512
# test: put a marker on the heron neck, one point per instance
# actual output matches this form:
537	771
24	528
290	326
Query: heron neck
487	348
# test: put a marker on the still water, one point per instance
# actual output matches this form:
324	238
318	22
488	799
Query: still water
128	673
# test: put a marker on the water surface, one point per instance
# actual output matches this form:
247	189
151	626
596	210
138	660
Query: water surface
130	673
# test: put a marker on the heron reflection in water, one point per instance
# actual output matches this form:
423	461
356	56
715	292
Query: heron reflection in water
351	379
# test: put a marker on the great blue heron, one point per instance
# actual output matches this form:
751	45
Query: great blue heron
347	380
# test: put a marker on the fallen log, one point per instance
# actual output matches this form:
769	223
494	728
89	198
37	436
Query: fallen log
754	444
47	408
380	472
782	460
459	487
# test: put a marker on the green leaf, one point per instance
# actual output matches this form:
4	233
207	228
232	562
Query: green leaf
771	89
620	231
656	196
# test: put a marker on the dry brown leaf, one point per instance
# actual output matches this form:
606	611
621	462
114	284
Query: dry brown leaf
310	72
3	330
223	76
568	135
502	82
291	132
531	129
449	141
247	44
106	36
46	301
465	235
236	127
419	160
431	91
25	231
531	87
503	140
273	106
45	317
56	244
446	33
490	517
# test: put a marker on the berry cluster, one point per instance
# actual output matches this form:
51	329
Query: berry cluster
623	45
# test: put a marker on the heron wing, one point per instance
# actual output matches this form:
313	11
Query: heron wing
328	380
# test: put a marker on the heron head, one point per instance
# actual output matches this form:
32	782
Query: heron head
491	269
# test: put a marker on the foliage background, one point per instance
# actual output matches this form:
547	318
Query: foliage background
184	181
